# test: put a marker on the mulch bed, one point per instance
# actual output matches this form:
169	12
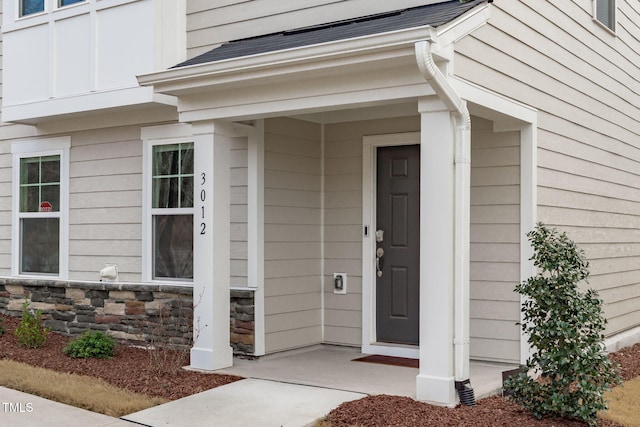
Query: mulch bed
131	369
397	411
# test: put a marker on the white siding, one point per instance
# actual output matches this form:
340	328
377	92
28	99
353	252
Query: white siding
583	81
343	221
292	231
105	199
5	208
239	212
495	243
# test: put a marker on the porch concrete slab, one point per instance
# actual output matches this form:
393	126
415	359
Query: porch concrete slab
249	402
330	367
333	367
19	409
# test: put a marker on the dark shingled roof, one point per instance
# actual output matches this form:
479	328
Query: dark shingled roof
433	15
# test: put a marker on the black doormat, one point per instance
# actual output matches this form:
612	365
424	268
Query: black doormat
390	360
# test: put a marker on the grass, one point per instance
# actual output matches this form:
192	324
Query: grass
71	389
623	404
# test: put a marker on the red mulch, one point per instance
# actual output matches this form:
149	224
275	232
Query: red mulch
397	411
130	369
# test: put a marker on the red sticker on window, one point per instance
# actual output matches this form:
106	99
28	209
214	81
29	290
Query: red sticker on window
46	207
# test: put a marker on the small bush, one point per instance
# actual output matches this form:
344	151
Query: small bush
1	326
91	344
30	332
565	328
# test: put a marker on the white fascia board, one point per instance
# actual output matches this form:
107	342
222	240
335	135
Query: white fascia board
326	55
462	26
306	105
95	101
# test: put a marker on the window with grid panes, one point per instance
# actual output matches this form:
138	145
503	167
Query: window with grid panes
172	211
39	214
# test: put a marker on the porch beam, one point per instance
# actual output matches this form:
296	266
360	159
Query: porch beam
436	379
211	246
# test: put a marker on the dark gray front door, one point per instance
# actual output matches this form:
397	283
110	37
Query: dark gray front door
398	269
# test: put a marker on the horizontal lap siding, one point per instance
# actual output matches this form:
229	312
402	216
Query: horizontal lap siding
238	164
5	207
105	203
210	23
292	234
583	81
495	243
343	222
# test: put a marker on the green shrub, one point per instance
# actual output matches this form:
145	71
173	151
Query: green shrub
565	330
30	332
91	344
1	326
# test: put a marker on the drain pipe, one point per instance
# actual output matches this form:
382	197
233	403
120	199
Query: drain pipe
438	81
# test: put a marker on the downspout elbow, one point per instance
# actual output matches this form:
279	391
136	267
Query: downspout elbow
438	81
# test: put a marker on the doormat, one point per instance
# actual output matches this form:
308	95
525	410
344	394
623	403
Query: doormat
389	360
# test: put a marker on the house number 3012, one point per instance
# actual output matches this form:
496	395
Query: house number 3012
203	197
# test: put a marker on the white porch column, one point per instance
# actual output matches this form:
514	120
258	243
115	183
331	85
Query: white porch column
255	226
211	247
435	381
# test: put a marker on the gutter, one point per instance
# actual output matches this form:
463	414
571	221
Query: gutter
462	163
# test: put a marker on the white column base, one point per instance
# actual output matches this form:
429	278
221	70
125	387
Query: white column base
206	359
436	390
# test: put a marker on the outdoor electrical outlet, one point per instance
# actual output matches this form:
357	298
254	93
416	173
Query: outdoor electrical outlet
339	283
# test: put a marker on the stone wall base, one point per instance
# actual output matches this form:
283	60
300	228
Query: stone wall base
135	313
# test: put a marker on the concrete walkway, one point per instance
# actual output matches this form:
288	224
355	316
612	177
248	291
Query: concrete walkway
247	403
291	389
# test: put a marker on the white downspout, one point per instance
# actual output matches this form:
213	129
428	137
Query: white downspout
438	81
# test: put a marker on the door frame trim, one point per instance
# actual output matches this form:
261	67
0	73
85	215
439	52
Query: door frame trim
369	169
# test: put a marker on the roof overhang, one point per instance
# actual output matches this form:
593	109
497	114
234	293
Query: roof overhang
360	71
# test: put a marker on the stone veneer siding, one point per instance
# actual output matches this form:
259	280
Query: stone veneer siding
128	312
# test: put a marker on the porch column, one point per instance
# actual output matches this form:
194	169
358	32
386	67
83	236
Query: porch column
211	247
435	381
255	226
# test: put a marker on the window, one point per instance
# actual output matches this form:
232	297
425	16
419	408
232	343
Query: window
605	12
40	207
69	2
172	210
40	232
40	214
29	7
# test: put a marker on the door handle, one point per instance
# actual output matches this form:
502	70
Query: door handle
379	255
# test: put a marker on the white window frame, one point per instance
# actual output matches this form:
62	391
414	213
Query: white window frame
613	8
19	8
39	148
49	6
152	136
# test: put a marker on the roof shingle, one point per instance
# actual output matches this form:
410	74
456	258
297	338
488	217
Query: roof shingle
433	15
